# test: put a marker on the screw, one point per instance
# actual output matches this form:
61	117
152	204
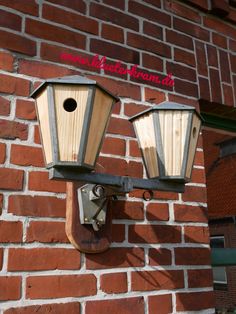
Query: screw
86	219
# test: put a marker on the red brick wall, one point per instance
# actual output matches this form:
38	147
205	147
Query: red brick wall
159	260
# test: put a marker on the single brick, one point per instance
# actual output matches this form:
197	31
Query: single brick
39	181
12	130
31	7
58	308
47	287
114	283
131	109
11	179
155	96
191	29
114	51
200	278
158	211
2	152
194	194
116	258
149	13
152	62
162	303
183	56
25	109
43	70
10	231
114	146
178	39
201	58
79	6
187	213
116	17
120	126
180	10
134	150
124	306
37	206
157	280
10	288
17	43
195	301
46	232
118	233
6	61
70	19
219	26
145	43
196	234
14	85
10	20
119	88
198	176
112	32
54	33
4	106
192	256
26	156
154	234
186	88
43	259
1	258
160	257
127	210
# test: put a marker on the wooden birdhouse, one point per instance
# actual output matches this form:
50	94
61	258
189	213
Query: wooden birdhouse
73	114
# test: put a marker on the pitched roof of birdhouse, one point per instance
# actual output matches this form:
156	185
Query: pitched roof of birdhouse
70	80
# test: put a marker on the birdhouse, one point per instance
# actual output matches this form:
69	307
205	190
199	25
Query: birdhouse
73	114
167	136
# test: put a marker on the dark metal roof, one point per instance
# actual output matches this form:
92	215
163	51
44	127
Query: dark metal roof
71	80
166	105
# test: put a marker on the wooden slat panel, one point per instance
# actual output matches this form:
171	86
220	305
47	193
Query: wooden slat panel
192	147
146	135
70	124
178	153
43	117
173	133
166	126
101	113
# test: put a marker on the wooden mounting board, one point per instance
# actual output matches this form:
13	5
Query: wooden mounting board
83	237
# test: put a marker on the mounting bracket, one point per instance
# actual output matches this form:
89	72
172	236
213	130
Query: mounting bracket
92	208
87	206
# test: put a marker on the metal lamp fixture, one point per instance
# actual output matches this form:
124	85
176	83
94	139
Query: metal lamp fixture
73	114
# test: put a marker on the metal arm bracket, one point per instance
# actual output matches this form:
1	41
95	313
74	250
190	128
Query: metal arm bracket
119	183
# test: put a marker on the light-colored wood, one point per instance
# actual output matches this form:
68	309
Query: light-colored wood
196	124
147	143
177	147
185	123
173	127
101	113
69	124
43	118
